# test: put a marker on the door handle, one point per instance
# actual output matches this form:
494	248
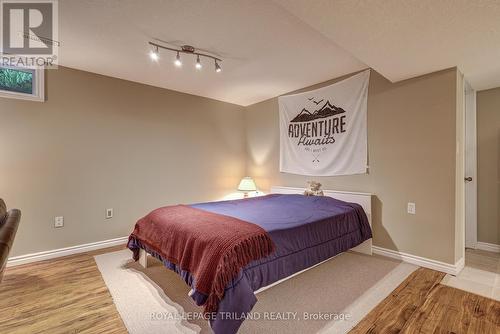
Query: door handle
468	179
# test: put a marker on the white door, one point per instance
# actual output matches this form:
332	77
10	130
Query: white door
470	178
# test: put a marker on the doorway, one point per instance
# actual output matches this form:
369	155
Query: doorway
470	167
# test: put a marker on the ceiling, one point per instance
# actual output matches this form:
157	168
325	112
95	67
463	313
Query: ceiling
273	47
402	39
266	51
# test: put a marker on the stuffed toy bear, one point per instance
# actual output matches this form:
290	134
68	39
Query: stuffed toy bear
314	189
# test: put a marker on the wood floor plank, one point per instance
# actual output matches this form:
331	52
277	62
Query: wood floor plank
61	296
449	310
422	305
391	315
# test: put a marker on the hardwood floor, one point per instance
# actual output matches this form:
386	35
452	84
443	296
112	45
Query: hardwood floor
61	296
68	295
422	305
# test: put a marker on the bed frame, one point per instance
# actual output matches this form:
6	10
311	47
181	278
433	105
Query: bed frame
363	199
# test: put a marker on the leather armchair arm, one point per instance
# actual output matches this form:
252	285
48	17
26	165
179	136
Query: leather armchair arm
9	222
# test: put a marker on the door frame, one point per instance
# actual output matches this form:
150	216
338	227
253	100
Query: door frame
470	166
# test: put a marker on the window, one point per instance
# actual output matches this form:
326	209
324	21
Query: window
22	83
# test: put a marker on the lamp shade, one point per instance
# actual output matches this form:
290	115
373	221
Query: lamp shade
247	184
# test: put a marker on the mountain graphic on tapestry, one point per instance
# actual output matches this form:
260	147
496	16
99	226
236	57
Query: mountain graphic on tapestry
327	110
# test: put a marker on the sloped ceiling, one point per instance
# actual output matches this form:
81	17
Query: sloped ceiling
273	47
266	50
406	38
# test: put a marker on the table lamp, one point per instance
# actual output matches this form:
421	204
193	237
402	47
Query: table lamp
247	184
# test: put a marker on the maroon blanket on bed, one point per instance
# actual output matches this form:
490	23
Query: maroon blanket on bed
212	247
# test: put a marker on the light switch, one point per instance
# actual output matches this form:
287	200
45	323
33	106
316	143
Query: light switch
411	208
59	221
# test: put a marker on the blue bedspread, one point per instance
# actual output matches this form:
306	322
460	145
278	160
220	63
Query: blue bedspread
305	229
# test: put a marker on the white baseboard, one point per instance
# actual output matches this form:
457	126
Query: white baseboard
40	256
488	247
417	260
452	269
459	266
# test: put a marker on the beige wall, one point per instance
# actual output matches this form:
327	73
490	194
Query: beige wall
101	142
488	173
412	157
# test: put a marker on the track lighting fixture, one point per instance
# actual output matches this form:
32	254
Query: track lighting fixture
186	49
155	54
198	63
217	67
178	61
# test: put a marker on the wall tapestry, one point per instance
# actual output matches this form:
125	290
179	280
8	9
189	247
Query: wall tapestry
324	132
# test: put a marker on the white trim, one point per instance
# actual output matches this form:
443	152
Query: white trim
293	190
470	167
46	255
452	269
488	247
363	199
39	83
459	265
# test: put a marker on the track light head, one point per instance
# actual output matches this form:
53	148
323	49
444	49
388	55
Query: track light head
217	67
178	61
198	63
155	54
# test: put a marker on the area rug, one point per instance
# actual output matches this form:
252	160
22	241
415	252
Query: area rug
330	298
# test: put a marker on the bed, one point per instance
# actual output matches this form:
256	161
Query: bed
305	231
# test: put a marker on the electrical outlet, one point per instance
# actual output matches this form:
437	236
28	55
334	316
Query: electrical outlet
411	208
109	213
59	222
